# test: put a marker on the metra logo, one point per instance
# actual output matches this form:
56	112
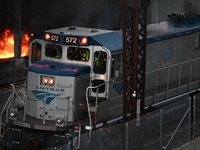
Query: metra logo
118	88
50	89
42	94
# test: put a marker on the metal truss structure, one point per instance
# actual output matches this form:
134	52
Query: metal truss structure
134	57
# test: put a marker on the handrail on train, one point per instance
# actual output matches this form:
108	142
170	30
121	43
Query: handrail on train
174	65
96	102
168	68
7	105
10	104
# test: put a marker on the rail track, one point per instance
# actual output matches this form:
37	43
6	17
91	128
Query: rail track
8	87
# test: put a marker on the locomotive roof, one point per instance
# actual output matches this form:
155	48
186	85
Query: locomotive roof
79	31
112	40
174	27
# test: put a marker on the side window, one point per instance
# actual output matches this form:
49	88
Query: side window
79	54
36	52
54	51
117	65
198	41
100	59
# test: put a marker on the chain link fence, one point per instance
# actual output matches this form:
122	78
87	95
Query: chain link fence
164	129
195	130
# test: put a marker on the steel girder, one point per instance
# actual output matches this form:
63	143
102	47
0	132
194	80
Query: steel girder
134	57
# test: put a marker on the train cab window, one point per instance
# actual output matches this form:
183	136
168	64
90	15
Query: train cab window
100	59
54	51
36	52
198	41
117	65
79	54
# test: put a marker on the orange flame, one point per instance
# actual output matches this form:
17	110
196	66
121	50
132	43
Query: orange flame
7	45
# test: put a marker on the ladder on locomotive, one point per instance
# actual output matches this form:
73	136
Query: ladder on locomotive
92	104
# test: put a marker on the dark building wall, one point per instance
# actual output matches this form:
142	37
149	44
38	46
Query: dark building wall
104	14
159	9
39	15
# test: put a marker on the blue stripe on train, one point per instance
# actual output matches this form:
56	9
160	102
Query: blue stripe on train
58	69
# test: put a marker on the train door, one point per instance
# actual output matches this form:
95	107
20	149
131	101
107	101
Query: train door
100	73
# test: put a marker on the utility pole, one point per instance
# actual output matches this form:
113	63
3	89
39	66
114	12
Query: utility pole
17	29
134	58
17	64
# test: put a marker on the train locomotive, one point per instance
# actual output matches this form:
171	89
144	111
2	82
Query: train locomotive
75	74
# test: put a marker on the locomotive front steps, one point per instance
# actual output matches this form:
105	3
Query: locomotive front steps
94	103
97	108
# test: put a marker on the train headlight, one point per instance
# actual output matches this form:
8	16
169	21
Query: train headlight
59	120
50	81
44	80
47	80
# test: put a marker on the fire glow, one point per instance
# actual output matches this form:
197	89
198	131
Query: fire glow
7	45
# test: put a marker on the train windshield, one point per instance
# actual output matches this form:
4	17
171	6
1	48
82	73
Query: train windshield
79	54
54	51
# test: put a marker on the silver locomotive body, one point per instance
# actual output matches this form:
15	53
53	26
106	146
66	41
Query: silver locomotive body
60	100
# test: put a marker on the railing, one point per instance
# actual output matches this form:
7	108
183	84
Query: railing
10	103
88	105
175	77
176	130
3	110
158	130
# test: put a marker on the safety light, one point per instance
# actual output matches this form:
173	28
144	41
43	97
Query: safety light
32	34
13	113
103	77
76	129
83	40
59	120
47	36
